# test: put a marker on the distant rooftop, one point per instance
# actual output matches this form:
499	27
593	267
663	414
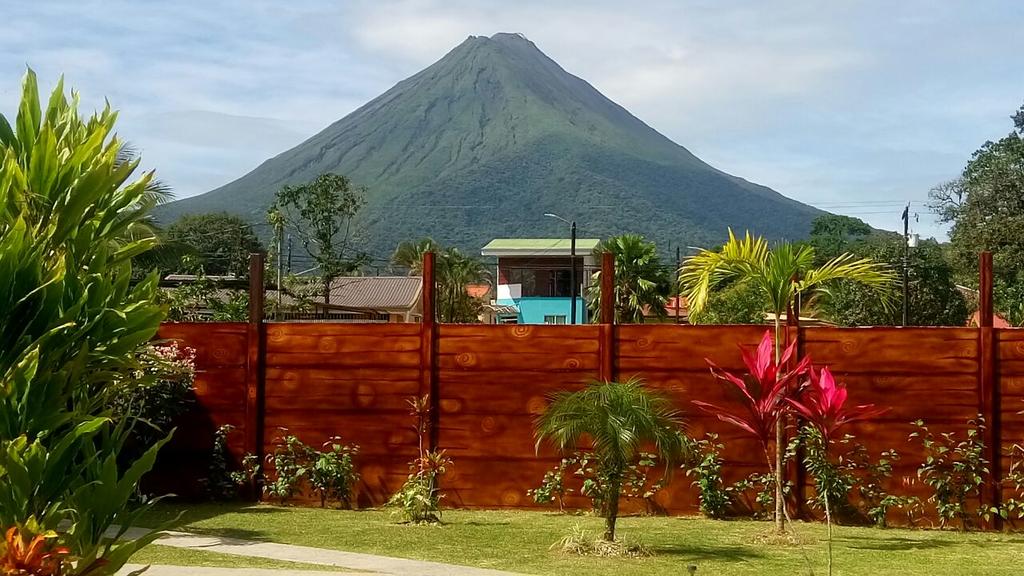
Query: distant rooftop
538	246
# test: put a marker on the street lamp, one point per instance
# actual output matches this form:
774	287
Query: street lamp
572	264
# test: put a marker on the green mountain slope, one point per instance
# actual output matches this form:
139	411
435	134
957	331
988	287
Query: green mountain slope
486	140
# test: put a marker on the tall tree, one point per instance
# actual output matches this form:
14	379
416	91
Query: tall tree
642	282
985	206
833	234
73	326
455	272
617	419
934	297
780	274
322	213
219	242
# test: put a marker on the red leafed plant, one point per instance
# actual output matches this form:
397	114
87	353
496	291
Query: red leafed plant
822	402
763	393
35	556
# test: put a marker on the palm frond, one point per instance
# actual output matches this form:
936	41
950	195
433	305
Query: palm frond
617	417
701	273
875	275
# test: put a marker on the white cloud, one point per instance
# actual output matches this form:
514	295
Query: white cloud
820	100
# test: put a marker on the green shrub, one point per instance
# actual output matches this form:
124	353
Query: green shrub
715	500
955	470
552	487
419	499
332	474
163	392
289	461
1012	508
223	480
73	327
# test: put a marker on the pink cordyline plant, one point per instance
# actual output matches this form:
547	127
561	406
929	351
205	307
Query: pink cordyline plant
821	401
765	393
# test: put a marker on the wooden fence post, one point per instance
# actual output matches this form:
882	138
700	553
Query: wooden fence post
607	373
255	365
428	349
795	334
988	382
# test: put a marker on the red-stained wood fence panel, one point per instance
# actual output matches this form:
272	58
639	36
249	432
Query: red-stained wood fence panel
494	380
928	374
353	380
220	386
1010	364
672	360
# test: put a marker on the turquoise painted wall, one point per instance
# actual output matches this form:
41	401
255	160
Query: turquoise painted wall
532	310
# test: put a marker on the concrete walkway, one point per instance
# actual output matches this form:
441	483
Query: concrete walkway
330	559
157	570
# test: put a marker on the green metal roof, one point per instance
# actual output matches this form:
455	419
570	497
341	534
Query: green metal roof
539	245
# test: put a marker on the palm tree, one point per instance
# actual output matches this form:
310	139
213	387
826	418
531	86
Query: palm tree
781	275
455	271
616	418
641	281
410	255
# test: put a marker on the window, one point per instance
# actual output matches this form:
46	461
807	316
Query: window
554	319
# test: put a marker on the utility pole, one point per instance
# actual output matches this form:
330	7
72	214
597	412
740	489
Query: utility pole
906	264
289	253
280	273
572	272
679	294
572	265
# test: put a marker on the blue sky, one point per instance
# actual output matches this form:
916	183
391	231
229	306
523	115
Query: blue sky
855	107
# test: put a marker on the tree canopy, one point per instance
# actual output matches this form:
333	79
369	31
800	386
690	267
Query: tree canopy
642	282
322	213
985	206
934	297
220	243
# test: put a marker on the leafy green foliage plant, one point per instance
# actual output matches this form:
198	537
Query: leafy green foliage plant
707	473
956	470
224	481
638	482
203	300
289	463
162	391
74	325
616	418
419	498
332	473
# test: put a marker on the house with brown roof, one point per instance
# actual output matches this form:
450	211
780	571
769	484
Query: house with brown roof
358	299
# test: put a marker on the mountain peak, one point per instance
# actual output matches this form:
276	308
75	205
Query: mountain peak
484	141
513	37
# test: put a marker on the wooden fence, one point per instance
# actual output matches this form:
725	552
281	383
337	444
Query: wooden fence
488	383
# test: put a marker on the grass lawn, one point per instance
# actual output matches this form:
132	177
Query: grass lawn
519	541
171	556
